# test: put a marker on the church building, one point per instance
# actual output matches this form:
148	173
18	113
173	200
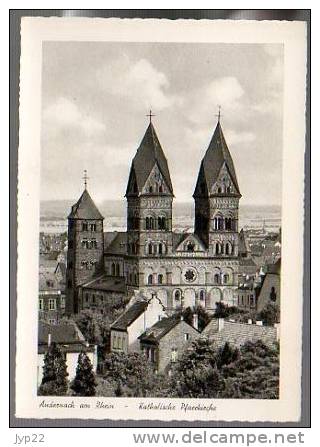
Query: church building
182	269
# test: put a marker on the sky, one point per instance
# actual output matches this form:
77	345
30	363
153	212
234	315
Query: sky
96	95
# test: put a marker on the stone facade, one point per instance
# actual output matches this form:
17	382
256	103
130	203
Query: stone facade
182	269
165	349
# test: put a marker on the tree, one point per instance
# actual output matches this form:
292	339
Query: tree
84	383
195	374
270	314
223	311
255	374
203	316
54	381
130	374
226	355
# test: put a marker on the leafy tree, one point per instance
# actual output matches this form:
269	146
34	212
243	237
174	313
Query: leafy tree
84	383
195	374
226	355
251	372
270	314
255	374
224	311
203	316
54	381
131	374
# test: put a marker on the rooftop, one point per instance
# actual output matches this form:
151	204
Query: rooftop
106	283
85	208
130	315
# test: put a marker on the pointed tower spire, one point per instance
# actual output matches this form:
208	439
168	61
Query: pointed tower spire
148	155
216	156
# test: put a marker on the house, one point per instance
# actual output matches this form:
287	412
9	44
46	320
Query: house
139	315
221	331
270	286
51	304
164	342
70	340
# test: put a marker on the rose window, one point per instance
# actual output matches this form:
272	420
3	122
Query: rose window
190	275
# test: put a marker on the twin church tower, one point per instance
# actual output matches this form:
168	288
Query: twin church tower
183	269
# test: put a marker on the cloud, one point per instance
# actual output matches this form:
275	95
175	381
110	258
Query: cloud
234	137
139	83
64	114
226	92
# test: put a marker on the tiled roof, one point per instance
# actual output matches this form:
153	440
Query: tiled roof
237	334
161	328
116	242
66	333
48	282
217	154
130	315
148	154
85	208
106	283
247	262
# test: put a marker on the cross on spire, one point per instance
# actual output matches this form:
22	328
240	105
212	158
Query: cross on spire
85	178
219	113
150	115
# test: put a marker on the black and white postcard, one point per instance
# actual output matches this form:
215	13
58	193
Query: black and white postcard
160	219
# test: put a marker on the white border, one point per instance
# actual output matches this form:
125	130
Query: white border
293	36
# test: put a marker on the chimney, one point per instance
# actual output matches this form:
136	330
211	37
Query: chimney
249	321
259	323
220	324
195	321
49	340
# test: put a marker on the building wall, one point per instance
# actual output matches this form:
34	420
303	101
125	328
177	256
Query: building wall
147	319
45	306
78	254
270	291
175	339
99	300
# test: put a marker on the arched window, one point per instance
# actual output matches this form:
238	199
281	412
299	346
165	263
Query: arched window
228	248
147	223
202	295
177	295
151	220
150	189
117	270
113	269
160	188
190	247
226	278
160	249
160	279
219	190
150	279
161	223
217	278
150	248
217	248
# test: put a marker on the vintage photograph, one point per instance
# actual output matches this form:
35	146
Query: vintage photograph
160	220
